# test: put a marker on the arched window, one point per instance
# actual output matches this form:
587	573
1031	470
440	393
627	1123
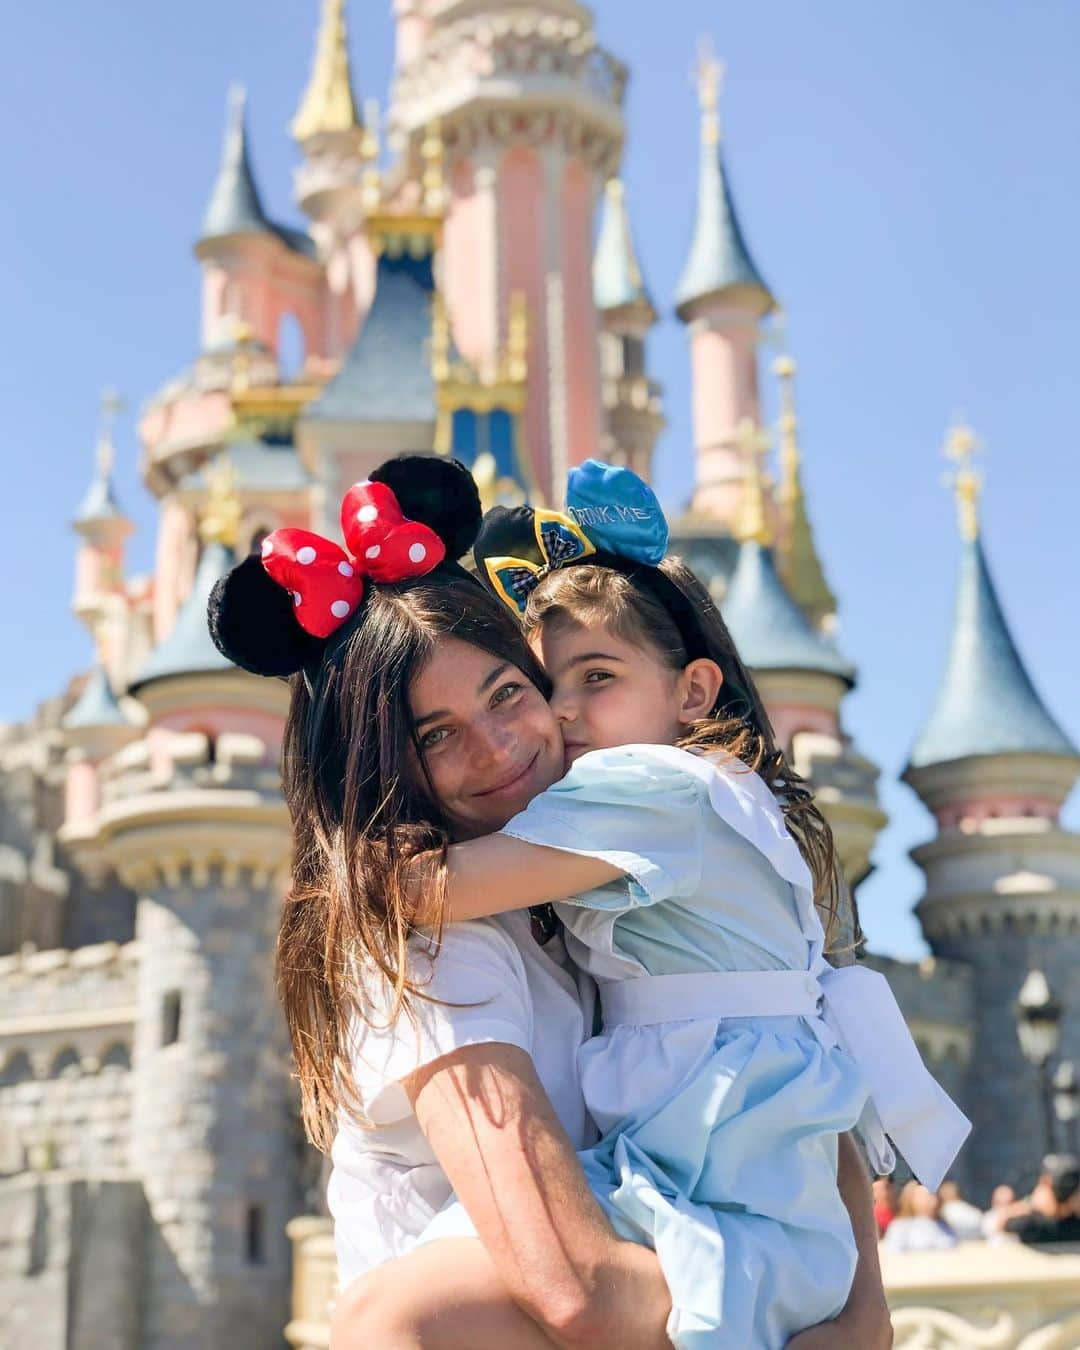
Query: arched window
117	1056
17	1069
290	349
65	1064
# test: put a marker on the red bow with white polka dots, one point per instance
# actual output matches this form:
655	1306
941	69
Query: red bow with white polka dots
326	583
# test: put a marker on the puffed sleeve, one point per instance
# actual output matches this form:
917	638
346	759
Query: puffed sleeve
631	807
475	991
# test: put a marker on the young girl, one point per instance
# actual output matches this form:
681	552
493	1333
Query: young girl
686	857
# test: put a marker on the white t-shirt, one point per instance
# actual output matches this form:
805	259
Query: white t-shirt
386	1185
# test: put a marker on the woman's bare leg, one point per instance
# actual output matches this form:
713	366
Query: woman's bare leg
446	1295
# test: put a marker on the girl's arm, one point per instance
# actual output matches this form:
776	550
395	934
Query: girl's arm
500	873
865	1320
495	1134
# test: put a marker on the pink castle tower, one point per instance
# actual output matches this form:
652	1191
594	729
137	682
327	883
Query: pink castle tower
722	299
531	113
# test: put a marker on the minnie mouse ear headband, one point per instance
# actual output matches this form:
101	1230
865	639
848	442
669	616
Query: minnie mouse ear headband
275	613
612	519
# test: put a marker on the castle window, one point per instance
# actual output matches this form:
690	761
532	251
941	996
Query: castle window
66	1064
170	1017
255	1245
16	1070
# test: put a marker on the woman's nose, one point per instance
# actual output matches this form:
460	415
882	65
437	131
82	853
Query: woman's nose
492	743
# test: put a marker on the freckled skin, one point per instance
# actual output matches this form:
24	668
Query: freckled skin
489	739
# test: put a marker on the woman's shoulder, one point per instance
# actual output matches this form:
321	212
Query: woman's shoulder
451	964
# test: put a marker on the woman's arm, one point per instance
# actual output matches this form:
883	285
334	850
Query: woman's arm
495	1134
499	873
865	1320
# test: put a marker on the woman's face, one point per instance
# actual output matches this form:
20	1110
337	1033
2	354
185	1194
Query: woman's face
489	740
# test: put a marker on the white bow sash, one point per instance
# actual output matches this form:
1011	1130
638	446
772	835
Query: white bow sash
853	1007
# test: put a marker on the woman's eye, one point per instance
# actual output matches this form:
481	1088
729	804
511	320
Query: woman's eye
430	739
597	676
506	691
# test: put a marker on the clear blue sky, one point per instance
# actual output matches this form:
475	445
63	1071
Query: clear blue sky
909	179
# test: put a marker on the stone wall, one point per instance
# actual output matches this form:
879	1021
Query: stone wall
937	998
71	1255
66	1028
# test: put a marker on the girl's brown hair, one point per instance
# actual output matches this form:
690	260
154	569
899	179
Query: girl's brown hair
738	724
358	815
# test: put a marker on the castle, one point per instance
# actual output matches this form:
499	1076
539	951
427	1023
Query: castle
472	288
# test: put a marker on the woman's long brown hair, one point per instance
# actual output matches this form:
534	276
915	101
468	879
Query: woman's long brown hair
359	814
739	723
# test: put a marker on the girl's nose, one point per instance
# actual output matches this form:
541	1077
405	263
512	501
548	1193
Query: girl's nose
564	707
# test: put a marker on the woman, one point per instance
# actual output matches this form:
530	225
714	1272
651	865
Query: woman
460	1054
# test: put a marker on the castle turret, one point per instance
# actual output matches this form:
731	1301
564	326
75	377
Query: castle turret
1002	876
382	400
102	527
803	679
255	272
722	298
531	112
632	401
191	817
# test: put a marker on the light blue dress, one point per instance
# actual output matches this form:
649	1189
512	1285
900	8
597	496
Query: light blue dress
732	1055
719	1143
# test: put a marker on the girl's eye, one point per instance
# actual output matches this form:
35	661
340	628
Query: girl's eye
597	676
435	737
506	691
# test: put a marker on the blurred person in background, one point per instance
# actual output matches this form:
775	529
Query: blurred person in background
1053	1213
918	1226
964	1218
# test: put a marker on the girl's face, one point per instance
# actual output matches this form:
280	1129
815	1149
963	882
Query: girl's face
490	741
607	691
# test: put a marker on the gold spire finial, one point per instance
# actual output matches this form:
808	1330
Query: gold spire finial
328	104
790	456
710	82
431	153
112	405
961	445
220	522
440	338
517	339
753	523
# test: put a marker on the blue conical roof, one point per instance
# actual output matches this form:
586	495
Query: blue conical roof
617	279
987	704
387	375
235	206
96	706
719	256
188	649
99	502
770	630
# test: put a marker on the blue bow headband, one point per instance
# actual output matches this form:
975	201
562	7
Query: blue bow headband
609	510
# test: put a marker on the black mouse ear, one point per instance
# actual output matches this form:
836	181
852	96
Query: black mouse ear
252	623
508	532
438	492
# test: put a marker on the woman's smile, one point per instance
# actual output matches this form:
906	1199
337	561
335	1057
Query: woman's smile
513	783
